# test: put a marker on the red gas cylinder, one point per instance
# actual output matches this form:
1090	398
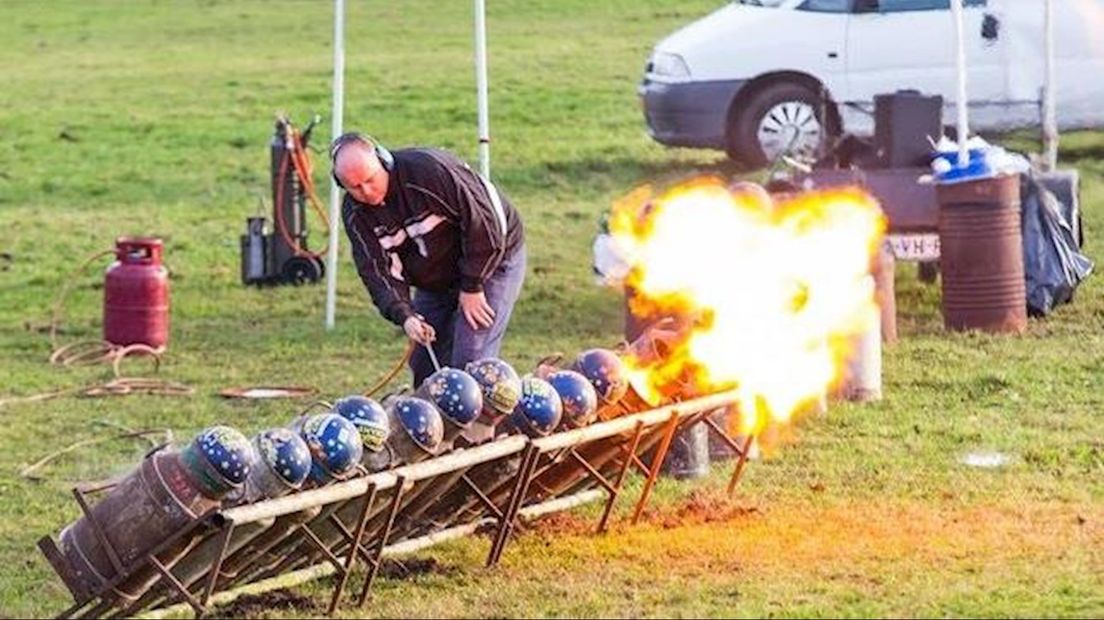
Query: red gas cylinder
136	294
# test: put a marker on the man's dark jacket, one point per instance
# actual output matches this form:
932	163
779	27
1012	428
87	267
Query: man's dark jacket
439	228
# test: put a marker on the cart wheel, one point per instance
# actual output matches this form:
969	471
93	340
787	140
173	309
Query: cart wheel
302	269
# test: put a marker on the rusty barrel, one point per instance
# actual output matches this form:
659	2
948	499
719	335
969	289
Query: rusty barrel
719	450
168	491
416	433
264	547
155	501
192	569
553	476
688	456
460	504
981	255
349	511
281	464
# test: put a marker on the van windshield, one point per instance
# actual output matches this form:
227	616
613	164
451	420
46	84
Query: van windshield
770	3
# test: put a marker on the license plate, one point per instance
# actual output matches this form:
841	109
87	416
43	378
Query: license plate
914	247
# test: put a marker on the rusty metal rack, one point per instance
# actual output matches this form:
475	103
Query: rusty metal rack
330	530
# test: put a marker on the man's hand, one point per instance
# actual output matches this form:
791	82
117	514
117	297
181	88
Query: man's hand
477	311
418	330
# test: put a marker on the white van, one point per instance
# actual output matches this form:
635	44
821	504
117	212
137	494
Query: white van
758	78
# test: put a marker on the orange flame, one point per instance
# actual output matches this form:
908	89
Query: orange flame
767	298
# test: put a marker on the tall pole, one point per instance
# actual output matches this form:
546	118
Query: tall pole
481	87
1050	112
335	131
960	95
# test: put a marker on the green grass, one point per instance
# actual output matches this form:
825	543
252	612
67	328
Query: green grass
166	110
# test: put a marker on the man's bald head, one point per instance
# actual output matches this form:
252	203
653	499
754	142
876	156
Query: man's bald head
361	172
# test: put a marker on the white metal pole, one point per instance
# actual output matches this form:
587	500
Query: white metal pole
960	95
335	131
481	87
1050	112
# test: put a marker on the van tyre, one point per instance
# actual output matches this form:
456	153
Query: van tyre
778	118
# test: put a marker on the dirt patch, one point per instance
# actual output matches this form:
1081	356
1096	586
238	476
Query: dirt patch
560	524
251	606
410	568
701	506
834	540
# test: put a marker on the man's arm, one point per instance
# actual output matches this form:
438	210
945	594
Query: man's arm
390	294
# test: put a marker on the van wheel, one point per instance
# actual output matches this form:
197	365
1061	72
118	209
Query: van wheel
778	119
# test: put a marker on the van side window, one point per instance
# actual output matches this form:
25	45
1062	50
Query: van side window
901	6
896	6
826	6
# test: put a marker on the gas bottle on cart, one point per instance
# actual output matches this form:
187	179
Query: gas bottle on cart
136	294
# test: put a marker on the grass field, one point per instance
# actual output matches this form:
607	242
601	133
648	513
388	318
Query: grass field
153	118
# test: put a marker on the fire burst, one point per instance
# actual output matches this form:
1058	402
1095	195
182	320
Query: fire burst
763	298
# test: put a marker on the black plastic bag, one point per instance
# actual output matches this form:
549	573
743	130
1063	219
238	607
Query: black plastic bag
1053	262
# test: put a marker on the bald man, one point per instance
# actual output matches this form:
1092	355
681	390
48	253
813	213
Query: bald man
420	218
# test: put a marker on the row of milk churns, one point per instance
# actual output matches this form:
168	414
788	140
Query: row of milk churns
221	468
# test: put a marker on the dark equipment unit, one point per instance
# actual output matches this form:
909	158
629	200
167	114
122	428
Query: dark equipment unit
281	255
903	123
